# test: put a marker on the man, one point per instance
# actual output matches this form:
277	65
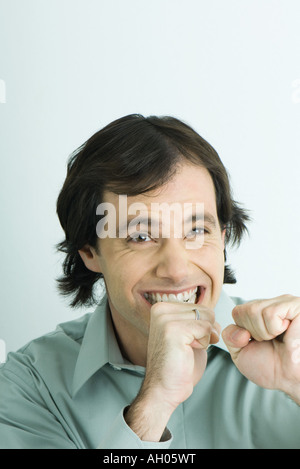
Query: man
147	207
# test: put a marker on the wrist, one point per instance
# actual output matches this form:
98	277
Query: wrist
148	417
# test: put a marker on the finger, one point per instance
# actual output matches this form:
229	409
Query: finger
263	322
180	324
274	320
199	334
267	319
178	311
235	338
249	317
215	333
207	340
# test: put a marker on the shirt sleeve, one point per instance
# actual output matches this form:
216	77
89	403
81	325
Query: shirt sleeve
120	436
25	421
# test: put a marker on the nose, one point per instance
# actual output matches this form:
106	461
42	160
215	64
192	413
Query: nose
173	262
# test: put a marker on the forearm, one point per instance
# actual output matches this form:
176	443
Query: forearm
176	360
148	416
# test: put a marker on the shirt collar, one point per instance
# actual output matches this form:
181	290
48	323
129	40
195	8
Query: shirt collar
99	345
93	352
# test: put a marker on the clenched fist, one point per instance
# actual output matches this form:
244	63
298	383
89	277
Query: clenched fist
176	360
264	343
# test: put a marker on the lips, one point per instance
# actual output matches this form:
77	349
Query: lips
191	295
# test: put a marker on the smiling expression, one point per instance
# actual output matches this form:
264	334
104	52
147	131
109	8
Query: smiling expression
140	270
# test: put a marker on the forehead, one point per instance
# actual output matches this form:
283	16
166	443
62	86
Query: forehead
189	184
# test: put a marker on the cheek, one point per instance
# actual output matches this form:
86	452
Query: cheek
121	274
212	256
210	259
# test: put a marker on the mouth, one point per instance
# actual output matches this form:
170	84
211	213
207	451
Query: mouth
193	295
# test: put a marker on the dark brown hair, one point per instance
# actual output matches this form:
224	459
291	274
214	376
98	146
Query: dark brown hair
131	156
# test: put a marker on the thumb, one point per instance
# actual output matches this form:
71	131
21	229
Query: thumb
235	339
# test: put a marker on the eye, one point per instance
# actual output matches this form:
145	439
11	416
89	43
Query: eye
196	232
139	238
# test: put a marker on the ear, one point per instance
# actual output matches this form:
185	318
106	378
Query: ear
90	258
223	237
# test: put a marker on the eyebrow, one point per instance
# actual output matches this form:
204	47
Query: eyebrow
148	221
207	218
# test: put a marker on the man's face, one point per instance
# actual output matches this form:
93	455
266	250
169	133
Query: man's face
140	269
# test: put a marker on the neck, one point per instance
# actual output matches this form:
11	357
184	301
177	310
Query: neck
133	344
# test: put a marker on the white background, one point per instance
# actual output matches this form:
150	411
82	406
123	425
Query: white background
231	69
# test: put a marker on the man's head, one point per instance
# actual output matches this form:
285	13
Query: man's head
154	159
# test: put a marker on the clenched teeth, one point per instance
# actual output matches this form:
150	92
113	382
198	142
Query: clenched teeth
188	296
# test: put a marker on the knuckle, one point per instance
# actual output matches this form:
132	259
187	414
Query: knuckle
250	309
206	327
268	312
255	308
159	309
287	296
207	315
204	330
236	312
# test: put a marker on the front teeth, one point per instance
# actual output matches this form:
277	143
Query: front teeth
184	297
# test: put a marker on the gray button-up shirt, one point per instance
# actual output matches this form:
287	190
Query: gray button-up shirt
69	388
